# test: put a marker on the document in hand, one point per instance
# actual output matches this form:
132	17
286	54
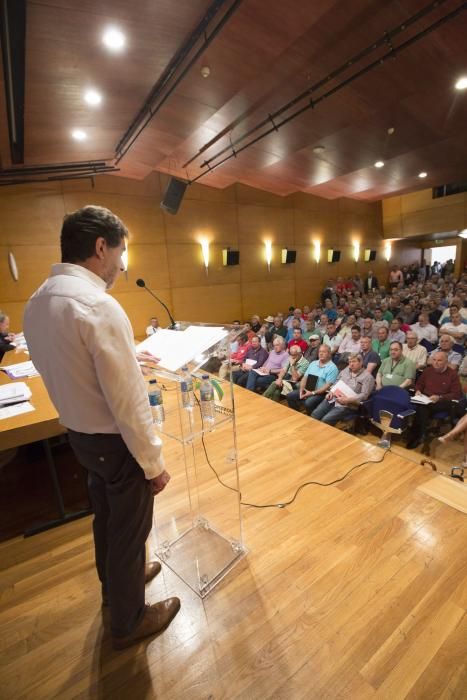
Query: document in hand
14	393
176	348
421	398
340	388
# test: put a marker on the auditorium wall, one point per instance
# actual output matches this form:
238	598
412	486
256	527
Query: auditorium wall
165	249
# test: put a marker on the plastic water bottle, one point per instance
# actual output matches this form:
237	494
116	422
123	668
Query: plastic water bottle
207	400
186	386
155	401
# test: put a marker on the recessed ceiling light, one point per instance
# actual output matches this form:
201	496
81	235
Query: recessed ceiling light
461	83
379	164
114	39
422	174
318	150
391	130
92	98
79	135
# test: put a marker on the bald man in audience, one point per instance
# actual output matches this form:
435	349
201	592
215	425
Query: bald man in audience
413	350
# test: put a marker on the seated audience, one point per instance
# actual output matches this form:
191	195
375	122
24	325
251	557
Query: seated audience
269	371
153	326
291	374
295	316
370	359
326	372
425	330
254	358
455	305
350	343
329	310
379	321
446	344
395	332
238	355
339	407
311	353
395	370
332	338
255	323
456	327
414	351
309	330
367	328
7	339
441	385
277	328
381	343
297	339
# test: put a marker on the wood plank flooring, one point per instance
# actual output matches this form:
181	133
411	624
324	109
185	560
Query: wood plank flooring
357	590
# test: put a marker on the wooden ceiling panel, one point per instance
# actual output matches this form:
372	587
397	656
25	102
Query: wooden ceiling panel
264	56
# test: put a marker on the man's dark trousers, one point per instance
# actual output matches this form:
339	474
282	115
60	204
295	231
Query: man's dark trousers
122	501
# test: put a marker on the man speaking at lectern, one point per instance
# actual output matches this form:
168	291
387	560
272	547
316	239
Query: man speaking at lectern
81	341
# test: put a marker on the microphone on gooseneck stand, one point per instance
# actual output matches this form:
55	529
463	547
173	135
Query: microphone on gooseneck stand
141	283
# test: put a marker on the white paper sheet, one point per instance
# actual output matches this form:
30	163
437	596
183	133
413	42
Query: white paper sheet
16	410
21	370
177	348
13	393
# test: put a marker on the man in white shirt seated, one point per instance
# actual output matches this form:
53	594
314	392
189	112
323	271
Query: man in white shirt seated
425	330
153	326
88	363
413	350
445	345
456	327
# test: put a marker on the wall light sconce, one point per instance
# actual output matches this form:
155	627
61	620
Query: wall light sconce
268	253
317	251
13	266
356	251
387	251
205	251
125	262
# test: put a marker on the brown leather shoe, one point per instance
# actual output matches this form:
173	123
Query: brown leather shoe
156	618
152	569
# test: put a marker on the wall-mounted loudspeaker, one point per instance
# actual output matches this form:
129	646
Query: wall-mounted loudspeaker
370	255
288	256
173	195
334	255
230	257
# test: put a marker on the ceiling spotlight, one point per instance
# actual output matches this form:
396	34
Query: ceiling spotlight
114	39
463	234
422	174
79	135
391	130
92	98
379	164
461	83
205	71
318	150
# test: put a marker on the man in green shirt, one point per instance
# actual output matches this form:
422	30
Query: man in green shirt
387	314
382	343
292	373
396	370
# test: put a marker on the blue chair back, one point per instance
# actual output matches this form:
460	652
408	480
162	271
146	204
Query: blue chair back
426	344
393	399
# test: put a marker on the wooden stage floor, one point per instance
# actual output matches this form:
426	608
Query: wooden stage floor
358	590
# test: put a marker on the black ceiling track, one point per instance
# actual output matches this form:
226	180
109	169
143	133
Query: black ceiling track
55	171
13	40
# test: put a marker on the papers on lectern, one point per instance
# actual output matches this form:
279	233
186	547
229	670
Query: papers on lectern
177	348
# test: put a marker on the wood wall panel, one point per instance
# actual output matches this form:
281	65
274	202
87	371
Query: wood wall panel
273	295
140	306
217	304
164	250
418	214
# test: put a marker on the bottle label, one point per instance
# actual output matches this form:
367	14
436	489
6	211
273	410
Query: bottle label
155	399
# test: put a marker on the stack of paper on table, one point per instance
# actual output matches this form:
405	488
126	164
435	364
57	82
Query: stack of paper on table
176	348
21	370
16	410
14	393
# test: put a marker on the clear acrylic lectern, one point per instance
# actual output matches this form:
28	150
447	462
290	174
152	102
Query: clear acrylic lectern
197	518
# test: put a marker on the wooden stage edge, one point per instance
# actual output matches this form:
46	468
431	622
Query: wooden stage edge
358	590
